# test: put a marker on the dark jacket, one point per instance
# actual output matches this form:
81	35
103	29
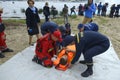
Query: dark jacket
32	20
65	10
100	6
89	40
46	10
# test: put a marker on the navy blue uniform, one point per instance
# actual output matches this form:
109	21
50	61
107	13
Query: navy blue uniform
48	27
91	27
91	44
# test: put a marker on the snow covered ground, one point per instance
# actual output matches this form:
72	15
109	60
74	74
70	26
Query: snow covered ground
20	67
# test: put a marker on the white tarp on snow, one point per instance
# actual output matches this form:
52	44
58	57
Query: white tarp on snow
20	67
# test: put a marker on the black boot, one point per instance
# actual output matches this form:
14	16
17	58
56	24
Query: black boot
7	50
83	62
1	55
89	71
37	60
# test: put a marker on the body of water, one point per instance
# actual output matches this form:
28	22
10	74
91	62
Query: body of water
14	9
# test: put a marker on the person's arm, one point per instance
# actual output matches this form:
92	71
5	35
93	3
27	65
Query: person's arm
79	48
76	57
28	18
92	8
38	18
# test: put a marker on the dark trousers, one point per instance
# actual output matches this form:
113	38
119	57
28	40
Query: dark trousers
99	10
95	50
46	18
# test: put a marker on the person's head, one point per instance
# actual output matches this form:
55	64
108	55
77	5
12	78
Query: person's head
80	4
68	40
1	10
67	25
31	3
56	36
63	60
64	5
46	4
81	27
90	2
106	4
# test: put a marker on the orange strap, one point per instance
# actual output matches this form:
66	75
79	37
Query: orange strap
62	67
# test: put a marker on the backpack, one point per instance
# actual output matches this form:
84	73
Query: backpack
2	27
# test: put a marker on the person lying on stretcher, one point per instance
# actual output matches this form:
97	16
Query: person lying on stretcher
64	58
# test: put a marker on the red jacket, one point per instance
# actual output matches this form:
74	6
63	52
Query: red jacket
2	41
2	37
45	47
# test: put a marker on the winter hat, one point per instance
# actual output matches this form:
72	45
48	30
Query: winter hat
58	35
67	40
80	26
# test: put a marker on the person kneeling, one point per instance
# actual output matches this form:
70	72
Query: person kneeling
46	48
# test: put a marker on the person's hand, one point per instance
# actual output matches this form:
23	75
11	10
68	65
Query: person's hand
54	58
89	7
30	30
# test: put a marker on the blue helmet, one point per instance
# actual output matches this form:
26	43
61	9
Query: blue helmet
49	26
80	26
68	40
62	29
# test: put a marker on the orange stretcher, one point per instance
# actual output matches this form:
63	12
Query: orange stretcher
70	54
